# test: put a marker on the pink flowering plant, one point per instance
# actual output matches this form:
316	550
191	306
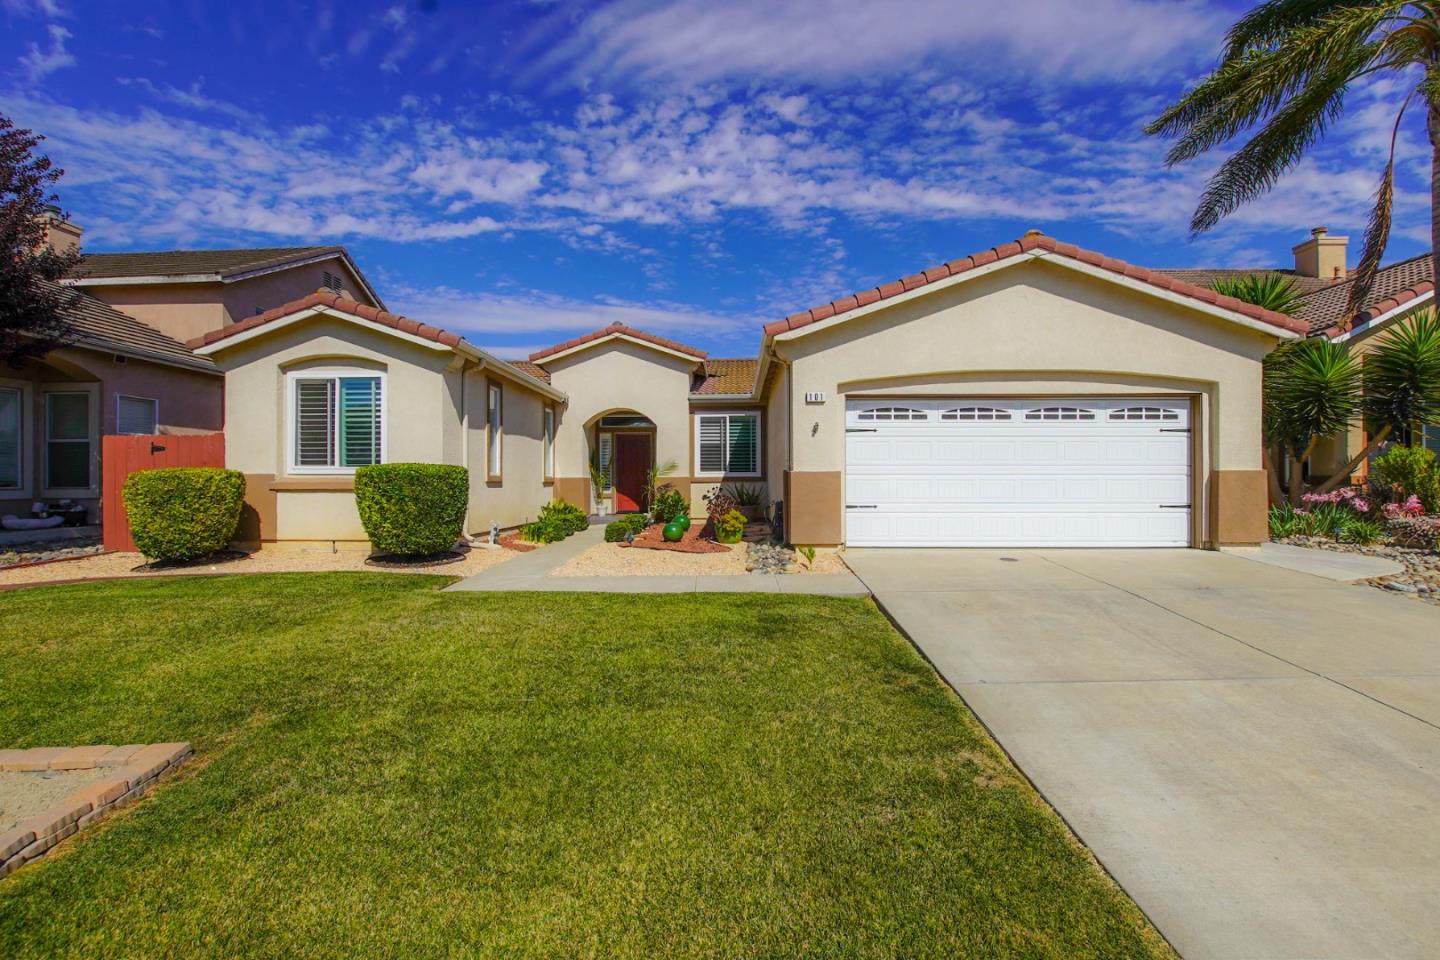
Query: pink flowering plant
1407	510
1343	514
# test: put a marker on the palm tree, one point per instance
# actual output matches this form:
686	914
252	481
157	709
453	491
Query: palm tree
1312	391
1269	290
1401	387
1286	68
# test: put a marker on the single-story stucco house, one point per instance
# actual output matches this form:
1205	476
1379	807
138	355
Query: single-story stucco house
1031	394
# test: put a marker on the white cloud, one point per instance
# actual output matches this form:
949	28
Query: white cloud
41	63
827	41
536	314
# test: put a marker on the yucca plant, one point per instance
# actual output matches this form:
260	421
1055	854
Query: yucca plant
1285	68
1269	290
1312	391
1401	386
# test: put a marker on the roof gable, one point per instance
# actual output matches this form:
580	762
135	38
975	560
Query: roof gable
99	326
1035	246
1327	311
617	331
185	263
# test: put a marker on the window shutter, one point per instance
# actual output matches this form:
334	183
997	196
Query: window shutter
9	438
359	421
712	444
136	416
743	448
314	423
605	447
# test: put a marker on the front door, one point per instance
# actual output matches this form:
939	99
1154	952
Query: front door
632	464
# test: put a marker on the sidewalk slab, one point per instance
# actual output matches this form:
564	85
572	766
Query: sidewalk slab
1330	564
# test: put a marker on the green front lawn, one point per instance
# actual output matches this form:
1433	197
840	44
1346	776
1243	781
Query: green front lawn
385	771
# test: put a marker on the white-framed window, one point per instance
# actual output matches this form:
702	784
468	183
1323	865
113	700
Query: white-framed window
495	430
728	444
13	417
336	420
549	443
136	415
892	413
71	437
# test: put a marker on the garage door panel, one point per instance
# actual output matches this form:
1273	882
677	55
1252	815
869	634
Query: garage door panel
1072	472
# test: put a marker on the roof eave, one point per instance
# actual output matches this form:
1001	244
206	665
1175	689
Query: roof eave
600	341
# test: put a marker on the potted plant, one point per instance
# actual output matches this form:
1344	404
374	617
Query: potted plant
749	500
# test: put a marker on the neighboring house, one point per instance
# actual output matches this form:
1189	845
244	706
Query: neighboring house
117	375
1399	291
1031	394
324	384
188	293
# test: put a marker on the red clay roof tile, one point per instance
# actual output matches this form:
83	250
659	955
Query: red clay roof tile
1031	241
617	329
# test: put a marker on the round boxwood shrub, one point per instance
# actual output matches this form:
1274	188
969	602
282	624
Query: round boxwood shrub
412	509
180	513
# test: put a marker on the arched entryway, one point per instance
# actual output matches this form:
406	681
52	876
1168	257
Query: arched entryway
623	444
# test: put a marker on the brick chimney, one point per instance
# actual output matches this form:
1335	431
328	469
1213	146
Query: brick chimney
61	235
1321	256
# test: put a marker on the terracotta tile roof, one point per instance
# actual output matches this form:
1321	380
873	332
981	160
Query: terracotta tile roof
176	263
100	326
1206	276
725	376
1327	311
534	369
324	298
616	329
1031	241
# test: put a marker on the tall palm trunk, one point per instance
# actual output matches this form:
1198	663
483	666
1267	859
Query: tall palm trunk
1432	126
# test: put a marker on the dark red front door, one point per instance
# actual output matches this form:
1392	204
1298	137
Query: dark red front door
632	463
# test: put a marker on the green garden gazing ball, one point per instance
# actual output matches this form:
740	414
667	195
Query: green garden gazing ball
674	531
683	521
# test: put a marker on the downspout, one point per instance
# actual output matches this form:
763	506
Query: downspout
465	441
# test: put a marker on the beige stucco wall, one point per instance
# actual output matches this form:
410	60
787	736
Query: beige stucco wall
619	376
522	490
187	310
1033	329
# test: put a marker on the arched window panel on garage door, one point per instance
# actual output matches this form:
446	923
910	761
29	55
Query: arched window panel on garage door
976	414
1059	413
1145	413
892	413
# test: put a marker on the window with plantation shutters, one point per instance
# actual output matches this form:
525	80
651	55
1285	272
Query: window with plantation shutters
337	422
728	443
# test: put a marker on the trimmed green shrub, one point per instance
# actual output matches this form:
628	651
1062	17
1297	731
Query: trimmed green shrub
670	504
412	509
617	530
1409	470
181	513
558	520
731	527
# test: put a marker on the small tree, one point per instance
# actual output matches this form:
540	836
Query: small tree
1401	387
32	305
1312	391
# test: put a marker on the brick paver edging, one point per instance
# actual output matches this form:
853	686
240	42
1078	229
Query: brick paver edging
137	766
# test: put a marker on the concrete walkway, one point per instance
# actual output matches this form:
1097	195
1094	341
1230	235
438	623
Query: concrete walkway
1252	752
531	571
1331	564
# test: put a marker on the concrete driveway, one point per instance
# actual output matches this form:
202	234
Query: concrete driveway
1253	753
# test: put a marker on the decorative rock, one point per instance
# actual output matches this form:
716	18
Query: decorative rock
768	558
1420	581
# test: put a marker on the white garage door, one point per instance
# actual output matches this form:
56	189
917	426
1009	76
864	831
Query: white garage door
986	472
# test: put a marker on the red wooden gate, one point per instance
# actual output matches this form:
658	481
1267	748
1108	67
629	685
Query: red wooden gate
122	456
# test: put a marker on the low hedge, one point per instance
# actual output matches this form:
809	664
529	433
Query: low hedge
412	509
180	513
618	530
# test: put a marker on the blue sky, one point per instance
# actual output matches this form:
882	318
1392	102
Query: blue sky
527	171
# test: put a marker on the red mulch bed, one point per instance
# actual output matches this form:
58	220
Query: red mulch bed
512	541
653	538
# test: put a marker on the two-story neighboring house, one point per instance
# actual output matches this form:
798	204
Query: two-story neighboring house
127	369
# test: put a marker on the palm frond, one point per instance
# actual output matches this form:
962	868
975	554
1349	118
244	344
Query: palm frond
1273	291
1270	22
1402	375
1312	389
1377	231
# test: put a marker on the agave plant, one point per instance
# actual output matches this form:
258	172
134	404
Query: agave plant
1272	291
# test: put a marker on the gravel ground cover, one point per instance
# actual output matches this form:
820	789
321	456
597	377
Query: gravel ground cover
615	560
17	553
24	794
261	561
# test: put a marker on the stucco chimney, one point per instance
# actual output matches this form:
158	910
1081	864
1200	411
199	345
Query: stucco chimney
1321	256
61	235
